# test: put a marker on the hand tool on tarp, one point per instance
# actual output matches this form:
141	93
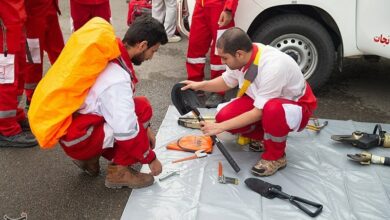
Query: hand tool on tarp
271	191
225	179
197	154
365	158
186	101
192	122
169	174
364	140
316	126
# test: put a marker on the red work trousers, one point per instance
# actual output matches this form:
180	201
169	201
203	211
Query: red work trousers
13	16
272	129
123	153
46	29
203	33
82	13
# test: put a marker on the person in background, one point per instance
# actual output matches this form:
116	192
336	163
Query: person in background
43	34
14	127
165	11
83	10
209	19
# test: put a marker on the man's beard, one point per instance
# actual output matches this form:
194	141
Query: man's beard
138	59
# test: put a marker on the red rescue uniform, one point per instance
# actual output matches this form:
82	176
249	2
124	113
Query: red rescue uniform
13	16
203	34
43	34
82	11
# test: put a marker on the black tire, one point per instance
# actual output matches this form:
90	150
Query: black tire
292	33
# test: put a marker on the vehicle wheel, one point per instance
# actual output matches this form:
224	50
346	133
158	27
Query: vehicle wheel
304	39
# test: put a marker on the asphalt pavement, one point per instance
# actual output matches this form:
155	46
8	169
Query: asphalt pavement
45	184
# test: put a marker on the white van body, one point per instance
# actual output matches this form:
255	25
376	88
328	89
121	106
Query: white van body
316	33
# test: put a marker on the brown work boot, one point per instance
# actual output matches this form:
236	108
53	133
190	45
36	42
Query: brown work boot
268	167
91	166
121	176
256	145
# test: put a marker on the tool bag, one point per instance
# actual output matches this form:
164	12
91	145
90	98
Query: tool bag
192	143
64	88
138	8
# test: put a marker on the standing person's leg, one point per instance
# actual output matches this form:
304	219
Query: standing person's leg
198	44
54	41
102	10
11	134
170	20
158	10
79	13
35	29
216	66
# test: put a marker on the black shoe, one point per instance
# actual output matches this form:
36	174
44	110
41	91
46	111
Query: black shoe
25	125
214	100
21	140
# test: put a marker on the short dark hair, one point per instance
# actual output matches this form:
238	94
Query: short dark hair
145	28
234	39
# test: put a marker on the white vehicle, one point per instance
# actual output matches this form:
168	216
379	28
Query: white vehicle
316	33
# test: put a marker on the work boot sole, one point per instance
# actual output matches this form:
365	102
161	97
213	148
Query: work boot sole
17	145
86	170
121	185
254	172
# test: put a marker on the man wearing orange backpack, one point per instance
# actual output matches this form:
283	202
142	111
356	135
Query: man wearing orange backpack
112	122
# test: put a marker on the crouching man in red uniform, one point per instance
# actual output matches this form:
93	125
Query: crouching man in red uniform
273	100
114	124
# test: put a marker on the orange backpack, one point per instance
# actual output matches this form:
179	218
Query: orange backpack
65	86
192	143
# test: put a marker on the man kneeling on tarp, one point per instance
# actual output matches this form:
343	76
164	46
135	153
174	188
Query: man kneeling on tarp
114	124
273	99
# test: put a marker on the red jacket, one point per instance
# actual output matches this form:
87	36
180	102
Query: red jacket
230	5
41	7
14	7
91	2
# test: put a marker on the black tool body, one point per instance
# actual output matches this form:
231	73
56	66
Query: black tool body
271	191
186	101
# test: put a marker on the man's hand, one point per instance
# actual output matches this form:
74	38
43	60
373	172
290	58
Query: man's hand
192	85
225	18
211	128
155	167
151	137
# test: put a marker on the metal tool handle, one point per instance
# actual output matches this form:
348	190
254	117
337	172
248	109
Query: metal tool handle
226	154
165	176
294	200
297	202
184	159
220	146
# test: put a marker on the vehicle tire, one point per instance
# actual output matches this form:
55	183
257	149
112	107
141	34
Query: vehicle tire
303	38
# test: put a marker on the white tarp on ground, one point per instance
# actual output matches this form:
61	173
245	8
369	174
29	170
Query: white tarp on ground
318	170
